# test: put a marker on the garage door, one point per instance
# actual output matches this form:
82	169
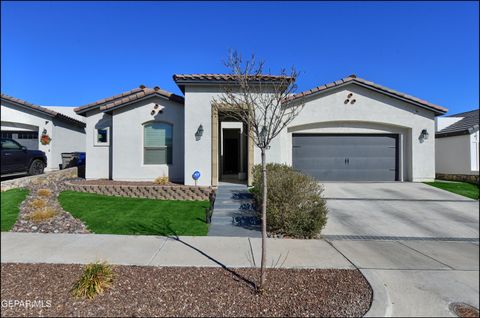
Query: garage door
347	157
28	139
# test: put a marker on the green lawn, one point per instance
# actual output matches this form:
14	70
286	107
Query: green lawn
117	215
463	188
11	200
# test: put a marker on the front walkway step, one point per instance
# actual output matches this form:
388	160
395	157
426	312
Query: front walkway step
234	212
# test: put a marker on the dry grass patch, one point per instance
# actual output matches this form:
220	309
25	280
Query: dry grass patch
44	192
95	279
40	215
38	204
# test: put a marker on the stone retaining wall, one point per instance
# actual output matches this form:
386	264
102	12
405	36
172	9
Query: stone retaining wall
186	193
458	177
56	175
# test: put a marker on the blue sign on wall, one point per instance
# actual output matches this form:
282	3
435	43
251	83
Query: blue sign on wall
196	175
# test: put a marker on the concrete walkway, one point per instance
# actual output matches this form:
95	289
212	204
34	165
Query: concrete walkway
163	251
233	212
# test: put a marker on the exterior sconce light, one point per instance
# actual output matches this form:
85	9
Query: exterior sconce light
199	133
424	135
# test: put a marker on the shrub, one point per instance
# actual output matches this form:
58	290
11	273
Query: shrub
96	277
38	203
42	214
295	206
44	192
161	180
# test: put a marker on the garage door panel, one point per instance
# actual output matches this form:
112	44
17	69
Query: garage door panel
346	157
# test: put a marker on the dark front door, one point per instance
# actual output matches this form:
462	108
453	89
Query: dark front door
231	155
358	157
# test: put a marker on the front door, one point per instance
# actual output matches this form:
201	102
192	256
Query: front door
231	154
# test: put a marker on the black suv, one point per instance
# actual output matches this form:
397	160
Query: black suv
17	159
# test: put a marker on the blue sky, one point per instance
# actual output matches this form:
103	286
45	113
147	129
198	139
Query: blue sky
56	53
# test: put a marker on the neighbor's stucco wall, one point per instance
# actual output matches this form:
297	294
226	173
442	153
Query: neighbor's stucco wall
18	118
456	155
373	112
97	157
128	140
68	138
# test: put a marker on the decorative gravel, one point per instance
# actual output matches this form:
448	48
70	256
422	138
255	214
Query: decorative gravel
185	291
62	222
464	310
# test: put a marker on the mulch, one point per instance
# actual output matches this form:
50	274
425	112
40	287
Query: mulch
185	291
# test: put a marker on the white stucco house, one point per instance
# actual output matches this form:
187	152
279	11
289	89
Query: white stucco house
63	130
457	146
348	130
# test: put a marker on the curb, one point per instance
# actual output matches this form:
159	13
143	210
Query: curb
381	303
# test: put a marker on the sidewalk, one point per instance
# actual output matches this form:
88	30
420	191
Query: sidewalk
163	251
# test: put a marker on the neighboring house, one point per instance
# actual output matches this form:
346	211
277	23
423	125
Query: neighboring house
27	123
348	130
457	146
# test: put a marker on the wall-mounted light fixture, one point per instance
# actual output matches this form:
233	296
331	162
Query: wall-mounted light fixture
423	135
199	133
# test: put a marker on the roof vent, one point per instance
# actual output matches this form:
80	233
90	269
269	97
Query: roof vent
142	86
156	88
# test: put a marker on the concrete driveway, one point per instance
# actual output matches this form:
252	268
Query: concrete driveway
417	245
399	210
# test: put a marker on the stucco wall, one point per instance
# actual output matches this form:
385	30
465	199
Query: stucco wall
198	111
19	118
68	138
454	155
128	140
98	157
372	113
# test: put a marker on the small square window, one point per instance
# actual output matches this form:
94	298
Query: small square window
102	137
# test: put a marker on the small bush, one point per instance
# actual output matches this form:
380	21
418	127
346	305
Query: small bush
295	206
44	192
161	180
38	204
96	277
43	214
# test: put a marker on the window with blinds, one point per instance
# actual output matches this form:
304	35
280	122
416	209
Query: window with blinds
157	143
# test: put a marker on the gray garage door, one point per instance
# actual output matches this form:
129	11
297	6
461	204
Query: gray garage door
346	157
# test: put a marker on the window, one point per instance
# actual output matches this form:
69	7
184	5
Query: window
157	143
10	145
102	137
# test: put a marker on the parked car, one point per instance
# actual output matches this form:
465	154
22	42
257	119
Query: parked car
17	159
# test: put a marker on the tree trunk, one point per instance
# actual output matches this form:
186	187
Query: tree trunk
263	273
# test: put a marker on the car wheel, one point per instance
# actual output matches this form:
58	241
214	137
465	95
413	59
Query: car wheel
36	167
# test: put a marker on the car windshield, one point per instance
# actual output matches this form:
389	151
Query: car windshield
9	144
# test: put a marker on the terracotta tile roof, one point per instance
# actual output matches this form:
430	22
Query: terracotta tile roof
363	82
465	126
41	109
223	77
126	97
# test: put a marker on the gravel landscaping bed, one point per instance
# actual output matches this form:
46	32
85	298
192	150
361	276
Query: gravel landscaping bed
186	291
61	222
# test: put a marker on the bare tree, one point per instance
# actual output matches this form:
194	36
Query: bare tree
265	104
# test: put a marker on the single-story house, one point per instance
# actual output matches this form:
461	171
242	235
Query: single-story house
348	130
53	130
457	146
